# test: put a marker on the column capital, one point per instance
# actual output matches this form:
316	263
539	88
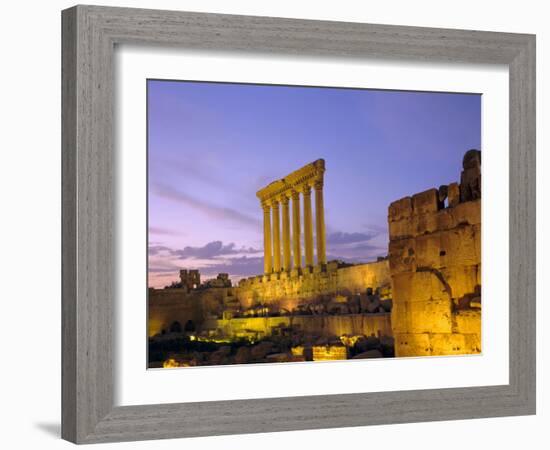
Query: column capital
306	189
284	199
318	184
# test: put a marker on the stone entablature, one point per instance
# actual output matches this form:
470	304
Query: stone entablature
277	196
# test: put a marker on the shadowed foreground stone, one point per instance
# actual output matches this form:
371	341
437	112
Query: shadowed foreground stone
369	354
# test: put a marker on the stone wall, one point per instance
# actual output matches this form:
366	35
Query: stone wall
258	327
281	292
435	266
287	290
166	306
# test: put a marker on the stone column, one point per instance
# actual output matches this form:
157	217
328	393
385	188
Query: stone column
320	223
308	226
286	233
296	246
267	239
276	237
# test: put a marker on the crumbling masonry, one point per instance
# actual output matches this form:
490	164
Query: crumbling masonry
426	294
435	266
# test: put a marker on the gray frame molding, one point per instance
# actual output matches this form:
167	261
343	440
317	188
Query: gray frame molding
89	36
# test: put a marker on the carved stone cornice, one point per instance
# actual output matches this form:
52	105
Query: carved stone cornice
296	181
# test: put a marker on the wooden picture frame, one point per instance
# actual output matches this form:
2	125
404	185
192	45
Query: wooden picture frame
90	34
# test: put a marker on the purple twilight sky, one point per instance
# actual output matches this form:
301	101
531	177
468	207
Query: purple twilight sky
213	145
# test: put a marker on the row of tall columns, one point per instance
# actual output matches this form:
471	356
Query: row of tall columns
272	237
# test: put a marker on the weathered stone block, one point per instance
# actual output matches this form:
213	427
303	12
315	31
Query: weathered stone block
400	209
402	255
472	343
407	344
418	286
432	316
467	322
329	352
401	228
454	344
470	184
425	202
468	213
428	249
461	279
447	344
425	223
453	194
445	219
477	241
459	246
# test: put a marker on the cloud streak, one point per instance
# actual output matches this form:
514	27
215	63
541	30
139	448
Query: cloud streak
341	237
210	250
213	211
243	266
164	231
355	246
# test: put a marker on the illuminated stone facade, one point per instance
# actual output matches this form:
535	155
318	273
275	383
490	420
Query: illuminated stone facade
435	265
256	328
281	295
432	277
286	290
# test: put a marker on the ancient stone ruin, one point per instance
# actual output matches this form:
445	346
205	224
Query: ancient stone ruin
435	266
423	299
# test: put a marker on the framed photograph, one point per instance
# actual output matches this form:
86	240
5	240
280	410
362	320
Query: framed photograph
276	224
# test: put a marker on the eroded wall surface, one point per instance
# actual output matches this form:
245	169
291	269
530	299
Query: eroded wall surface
377	325
435	266
279	292
167	306
288	291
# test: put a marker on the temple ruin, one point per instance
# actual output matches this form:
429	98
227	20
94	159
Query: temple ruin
423	299
278	194
435	266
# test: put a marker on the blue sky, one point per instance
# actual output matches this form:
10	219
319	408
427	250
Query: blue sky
211	146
